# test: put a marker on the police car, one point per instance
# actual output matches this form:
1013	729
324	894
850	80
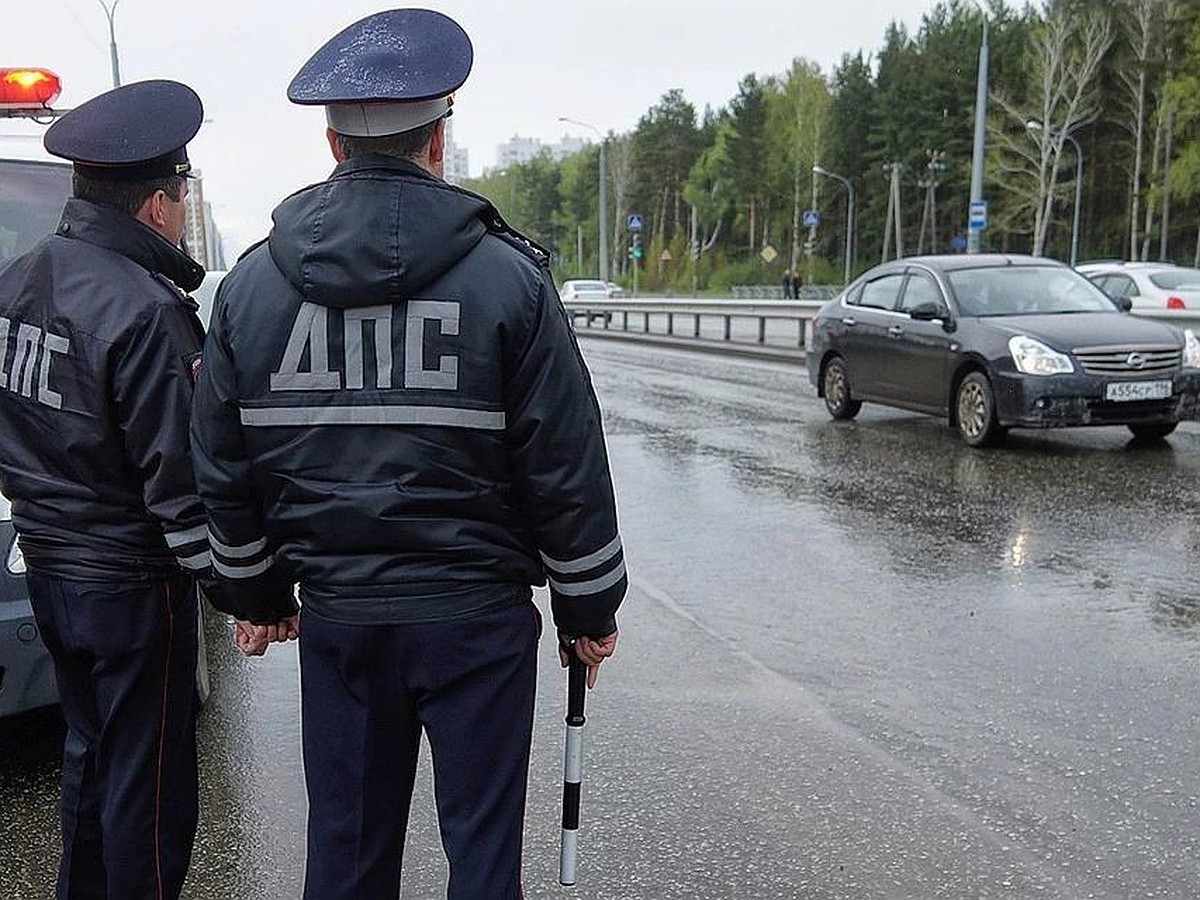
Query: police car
35	184
35	187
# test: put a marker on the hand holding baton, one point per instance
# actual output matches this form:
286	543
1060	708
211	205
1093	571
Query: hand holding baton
572	767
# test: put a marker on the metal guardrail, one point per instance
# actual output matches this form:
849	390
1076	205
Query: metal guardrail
775	291
765	328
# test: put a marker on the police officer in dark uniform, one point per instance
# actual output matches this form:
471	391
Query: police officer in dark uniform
394	413
99	348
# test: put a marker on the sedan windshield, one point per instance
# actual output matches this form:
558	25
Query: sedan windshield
1024	291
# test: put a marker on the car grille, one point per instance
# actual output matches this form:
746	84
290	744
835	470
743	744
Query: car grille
1129	361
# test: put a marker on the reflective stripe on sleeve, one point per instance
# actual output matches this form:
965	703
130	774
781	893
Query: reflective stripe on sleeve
179	538
197	563
592	586
242	571
242	551
583	563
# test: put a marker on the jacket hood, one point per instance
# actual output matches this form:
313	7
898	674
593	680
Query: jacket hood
380	229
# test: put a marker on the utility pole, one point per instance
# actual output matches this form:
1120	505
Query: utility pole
929	210
981	91
810	269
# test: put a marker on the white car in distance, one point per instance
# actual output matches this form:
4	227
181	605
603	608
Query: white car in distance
586	289
1146	285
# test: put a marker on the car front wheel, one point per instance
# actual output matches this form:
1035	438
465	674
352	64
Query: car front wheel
976	412
1152	432
837	391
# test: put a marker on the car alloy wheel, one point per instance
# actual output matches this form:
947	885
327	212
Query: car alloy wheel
976	411
837	391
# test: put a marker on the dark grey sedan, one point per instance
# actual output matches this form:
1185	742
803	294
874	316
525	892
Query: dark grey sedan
995	342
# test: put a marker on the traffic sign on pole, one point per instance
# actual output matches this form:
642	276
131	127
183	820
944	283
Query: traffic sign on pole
979	215
812	218
635	222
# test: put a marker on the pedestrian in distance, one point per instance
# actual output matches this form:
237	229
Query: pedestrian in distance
101	347
394	414
787	284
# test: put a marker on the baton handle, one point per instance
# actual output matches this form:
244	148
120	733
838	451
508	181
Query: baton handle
576	690
572	768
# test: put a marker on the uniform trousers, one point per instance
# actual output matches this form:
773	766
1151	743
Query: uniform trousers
368	692
125	662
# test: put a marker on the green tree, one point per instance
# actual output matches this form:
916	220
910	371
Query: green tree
1182	91
799	121
665	145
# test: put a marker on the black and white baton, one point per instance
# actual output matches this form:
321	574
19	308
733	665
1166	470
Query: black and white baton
572	769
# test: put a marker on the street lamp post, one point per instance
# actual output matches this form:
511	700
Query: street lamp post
603	200
110	11
820	170
981	88
1036	126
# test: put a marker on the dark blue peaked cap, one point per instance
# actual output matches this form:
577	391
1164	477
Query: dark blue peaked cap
136	132
390	72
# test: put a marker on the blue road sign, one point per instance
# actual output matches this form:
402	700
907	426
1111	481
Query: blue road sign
958	243
812	218
635	222
979	215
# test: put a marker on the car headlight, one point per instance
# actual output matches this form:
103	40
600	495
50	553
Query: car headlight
1191	349
1034	358
16	559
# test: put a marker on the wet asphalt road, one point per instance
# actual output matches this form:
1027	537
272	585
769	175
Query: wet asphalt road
858	660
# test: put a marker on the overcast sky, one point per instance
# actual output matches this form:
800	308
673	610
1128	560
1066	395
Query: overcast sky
604	63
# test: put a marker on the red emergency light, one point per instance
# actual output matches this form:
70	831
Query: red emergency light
28	88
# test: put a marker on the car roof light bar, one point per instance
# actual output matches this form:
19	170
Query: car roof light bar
28	92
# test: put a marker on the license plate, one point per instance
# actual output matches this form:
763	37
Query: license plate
1122	391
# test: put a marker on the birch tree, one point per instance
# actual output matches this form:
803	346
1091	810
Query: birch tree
1142	21
1064	57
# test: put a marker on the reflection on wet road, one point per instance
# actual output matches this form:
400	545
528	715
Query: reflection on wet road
859	660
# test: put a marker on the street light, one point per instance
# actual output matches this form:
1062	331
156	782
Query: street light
1036	126
819	170
603	201
112	40
981	82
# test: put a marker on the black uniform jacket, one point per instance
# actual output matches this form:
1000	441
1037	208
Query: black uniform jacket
394	412
98	351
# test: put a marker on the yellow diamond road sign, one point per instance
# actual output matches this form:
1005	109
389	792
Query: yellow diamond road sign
768	253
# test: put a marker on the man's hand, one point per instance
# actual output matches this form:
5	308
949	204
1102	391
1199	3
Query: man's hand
591	651
253	639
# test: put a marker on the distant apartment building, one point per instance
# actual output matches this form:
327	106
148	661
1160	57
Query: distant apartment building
456	168
523	149
200	233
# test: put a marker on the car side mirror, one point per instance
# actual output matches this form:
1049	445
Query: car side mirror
1124	304
927	312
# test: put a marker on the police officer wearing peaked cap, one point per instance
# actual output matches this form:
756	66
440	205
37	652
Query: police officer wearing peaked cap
100	350
394	412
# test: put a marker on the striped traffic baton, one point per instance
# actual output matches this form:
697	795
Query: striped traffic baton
572	768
